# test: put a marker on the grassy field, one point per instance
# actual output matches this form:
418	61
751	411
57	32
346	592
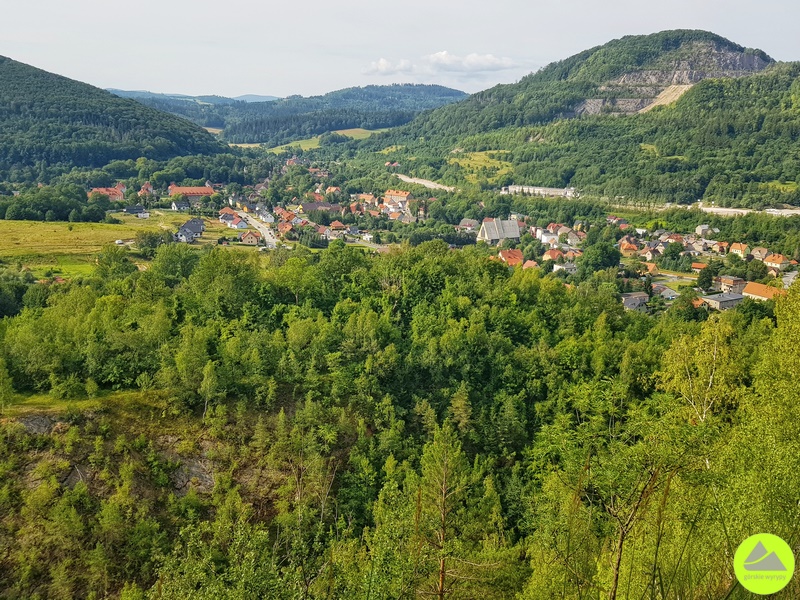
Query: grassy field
311	143
68	249
213	130
483	164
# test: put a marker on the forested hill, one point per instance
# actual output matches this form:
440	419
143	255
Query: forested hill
46	118
622	77
296	117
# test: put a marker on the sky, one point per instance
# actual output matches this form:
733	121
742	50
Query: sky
275	48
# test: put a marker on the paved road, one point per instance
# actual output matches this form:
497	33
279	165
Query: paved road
262	228
426	182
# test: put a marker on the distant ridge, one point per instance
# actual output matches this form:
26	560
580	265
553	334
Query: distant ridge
47	119
623	76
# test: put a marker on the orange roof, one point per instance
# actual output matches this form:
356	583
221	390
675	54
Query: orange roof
395	215
737	246
530	264
699	265
778	259
400	193
511	257
338	225
698	302
284	227
651	267
110	192
227	210
190	191
762	291
552	255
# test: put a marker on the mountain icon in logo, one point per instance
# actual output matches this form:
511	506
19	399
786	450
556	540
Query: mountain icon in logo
760	559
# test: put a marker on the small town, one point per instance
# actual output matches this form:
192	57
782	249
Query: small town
656	264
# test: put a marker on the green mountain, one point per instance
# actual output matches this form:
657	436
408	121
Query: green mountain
48	119
620	77
672	117
296	117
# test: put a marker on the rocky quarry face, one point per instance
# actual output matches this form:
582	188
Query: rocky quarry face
636	90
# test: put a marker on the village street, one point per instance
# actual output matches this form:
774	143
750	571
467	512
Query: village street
269	236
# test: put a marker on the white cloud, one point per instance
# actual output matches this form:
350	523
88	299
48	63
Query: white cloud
433	66
386	67
471	63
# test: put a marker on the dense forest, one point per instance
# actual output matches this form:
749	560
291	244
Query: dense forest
279	121
48	120
420	423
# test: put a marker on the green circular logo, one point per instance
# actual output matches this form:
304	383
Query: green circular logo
764	564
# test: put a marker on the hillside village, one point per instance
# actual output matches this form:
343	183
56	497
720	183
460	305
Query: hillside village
654	265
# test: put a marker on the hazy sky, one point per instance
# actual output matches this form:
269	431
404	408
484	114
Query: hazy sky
235	47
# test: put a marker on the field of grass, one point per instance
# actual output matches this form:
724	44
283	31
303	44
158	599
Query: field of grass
23	404
787	187
68	249
311	143
483	164
213	130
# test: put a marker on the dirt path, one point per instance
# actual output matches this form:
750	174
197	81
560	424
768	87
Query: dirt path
426	182
668	96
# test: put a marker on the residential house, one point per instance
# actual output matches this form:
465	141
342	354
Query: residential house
511	257
724	301
743	250
760	253
284	228
250	238
720	247
134	210
265	216
651	254
196	224
497	230
635	301
627	249
665	292
530	264
147	189
776	261
569	267
468	225
652	268
180	205
574	238
237	223
729	284
397	196
226	218
338	226
365	199
759	291
185	236
571	255
698	266
702	230
549	239
553	254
